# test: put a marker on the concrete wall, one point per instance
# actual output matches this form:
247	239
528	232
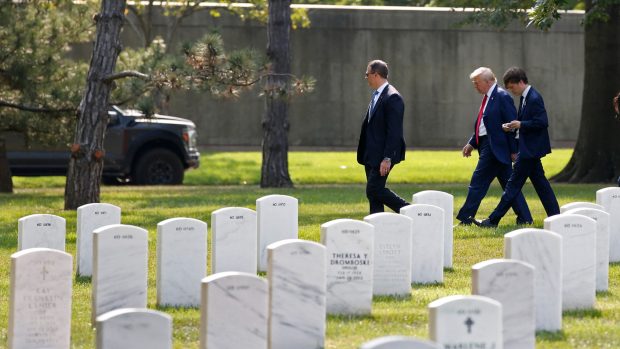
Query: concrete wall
430	59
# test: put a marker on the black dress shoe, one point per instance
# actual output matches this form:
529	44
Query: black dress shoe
521	222
468	221
486	223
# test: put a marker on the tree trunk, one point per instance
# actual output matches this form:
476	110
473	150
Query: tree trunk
274	172
596	157
6	179
86	164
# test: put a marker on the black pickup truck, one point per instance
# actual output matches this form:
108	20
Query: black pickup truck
138	150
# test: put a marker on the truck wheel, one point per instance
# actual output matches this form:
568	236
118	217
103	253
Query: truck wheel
158	166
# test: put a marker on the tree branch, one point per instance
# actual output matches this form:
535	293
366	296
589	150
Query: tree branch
126	74
34	109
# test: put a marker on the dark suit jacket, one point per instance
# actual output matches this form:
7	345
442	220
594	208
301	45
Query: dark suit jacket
500	109
383	136
533	135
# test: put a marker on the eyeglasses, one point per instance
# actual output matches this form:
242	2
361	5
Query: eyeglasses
369	73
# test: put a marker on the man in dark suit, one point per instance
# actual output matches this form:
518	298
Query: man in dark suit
381	144
531	131
496	148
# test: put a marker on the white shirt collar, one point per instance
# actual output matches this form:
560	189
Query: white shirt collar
490	91
527	89
380	89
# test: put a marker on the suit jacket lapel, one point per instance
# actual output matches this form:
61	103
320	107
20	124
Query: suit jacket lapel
490	102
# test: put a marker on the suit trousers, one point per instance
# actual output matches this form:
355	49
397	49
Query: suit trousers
378	195
524	169
487	169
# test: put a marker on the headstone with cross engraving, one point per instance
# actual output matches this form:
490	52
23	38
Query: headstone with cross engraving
234	311
510	282
89	218
134	328
181	261
399	342
602	244
234	240
609	198
40	299
276	220
349	248
392	254
41	230
296	279
466	322
427	245
119	268
444	201
579	252
543	250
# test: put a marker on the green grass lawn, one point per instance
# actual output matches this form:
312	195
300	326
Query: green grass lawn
329	185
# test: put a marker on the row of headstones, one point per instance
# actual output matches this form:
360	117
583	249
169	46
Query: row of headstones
289	313
275	219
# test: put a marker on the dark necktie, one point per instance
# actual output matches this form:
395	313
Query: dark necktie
484	102
372	104
520	105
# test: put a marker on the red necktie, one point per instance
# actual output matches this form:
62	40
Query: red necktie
484	102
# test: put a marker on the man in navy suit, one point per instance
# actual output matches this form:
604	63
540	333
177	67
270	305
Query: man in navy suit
381	144
530	128
496	148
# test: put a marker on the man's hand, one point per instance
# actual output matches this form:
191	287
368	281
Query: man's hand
511	126
467	149
384	168
513	157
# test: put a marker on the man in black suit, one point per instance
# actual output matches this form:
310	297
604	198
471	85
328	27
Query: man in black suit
381	144
496	149
531	131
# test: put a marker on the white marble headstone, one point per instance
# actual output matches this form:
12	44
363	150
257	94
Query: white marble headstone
276	220
579	251
609	198
466	322
41	230
510	282
40	299
119	268
296	279
234	311
349	248
392	254
444	201
543	250
134	328
602	244
181	261
234	240
399	342
427	247
89	218
580	204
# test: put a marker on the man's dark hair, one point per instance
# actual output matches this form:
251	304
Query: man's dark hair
379	67
514	75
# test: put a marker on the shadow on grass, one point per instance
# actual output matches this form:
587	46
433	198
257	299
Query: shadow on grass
557	336
350	318
432	285
83	280
583	313
604	294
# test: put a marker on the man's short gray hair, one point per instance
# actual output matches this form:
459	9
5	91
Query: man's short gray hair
485	73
